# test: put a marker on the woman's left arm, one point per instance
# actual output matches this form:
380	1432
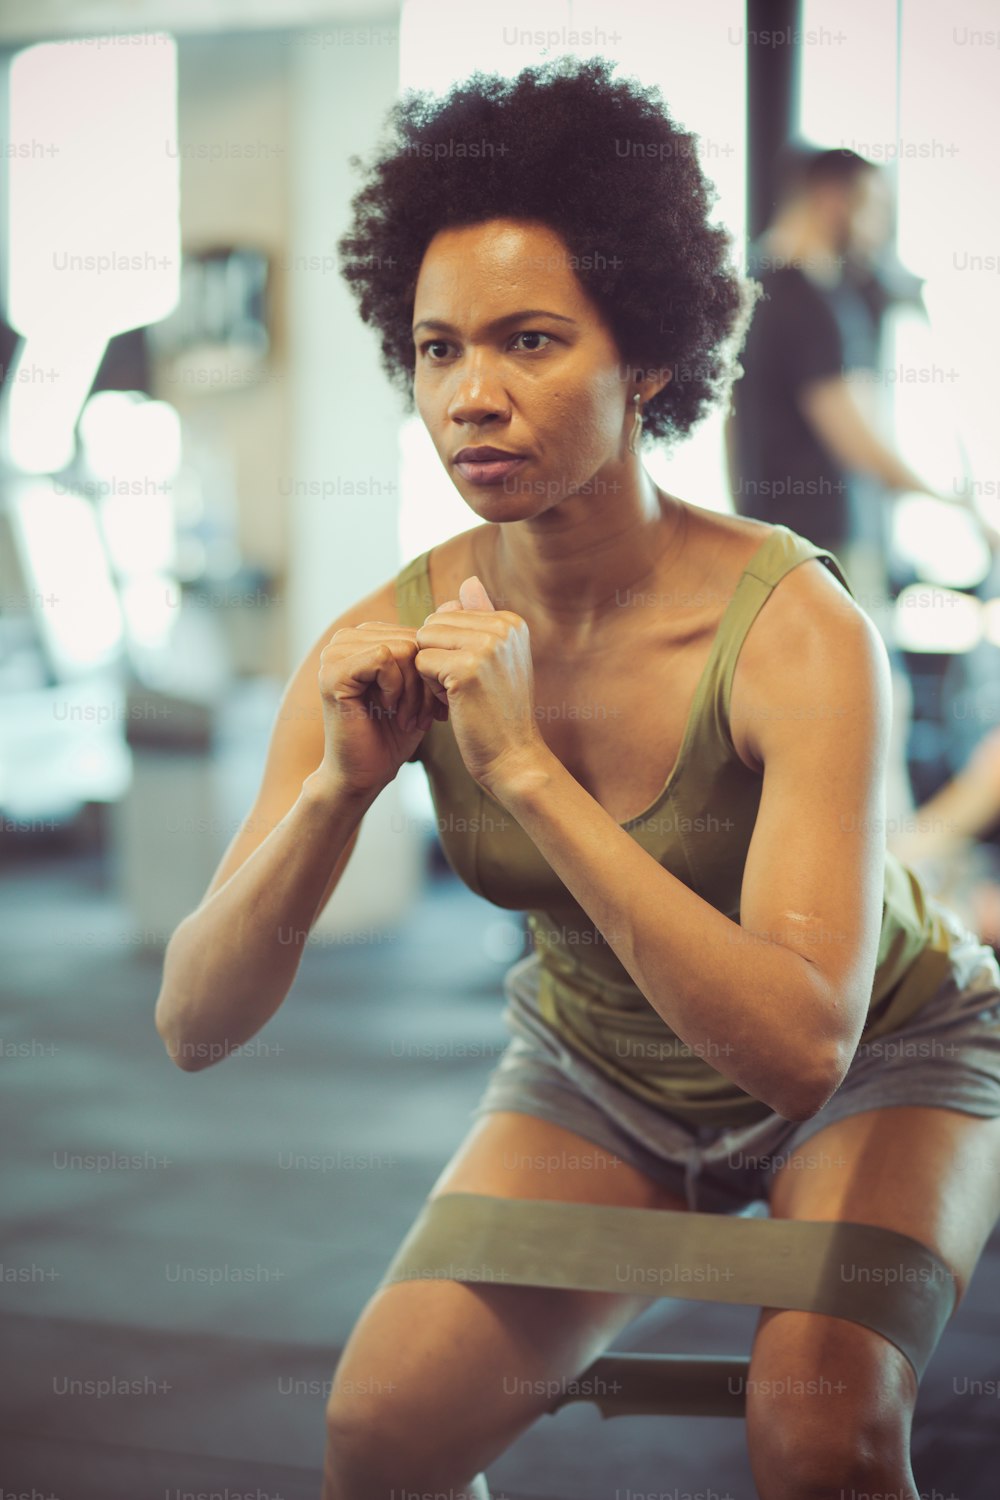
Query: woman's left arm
781	997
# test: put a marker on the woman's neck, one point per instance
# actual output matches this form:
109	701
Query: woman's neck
568	579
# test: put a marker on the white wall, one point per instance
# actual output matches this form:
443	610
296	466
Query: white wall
346	418
233	142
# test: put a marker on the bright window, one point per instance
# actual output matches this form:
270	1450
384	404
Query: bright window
94	224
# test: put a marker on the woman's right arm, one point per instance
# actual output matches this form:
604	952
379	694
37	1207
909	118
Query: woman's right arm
229	964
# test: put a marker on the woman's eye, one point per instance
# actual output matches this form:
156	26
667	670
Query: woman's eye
532	333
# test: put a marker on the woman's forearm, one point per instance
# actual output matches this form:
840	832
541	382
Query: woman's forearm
726	993
230	964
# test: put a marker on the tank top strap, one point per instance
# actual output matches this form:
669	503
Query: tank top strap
782	551
414	600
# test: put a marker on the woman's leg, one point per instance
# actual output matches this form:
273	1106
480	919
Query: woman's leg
830	1402
439	1377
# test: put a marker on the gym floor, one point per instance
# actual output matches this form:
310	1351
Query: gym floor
185	1254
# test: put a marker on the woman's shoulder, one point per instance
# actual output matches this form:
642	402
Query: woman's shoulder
731	540
737	540
806	602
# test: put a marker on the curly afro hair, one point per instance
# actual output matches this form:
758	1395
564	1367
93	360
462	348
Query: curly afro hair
599	161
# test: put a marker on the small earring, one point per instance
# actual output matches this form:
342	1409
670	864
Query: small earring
637	424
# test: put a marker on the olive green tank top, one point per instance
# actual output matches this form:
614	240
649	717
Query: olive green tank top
584	992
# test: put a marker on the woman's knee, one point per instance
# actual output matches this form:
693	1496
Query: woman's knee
399	1376
424	1386
829	1408
381	1443
805	1463
366	1461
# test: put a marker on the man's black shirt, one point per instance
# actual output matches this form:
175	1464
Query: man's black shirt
799	333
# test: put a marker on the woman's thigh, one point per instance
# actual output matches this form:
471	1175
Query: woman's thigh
826	1395
448	1373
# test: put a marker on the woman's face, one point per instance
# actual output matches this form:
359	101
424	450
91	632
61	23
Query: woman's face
526	363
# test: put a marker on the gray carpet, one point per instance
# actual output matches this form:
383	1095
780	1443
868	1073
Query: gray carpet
171	1314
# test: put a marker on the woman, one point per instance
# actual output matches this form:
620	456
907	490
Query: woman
709	948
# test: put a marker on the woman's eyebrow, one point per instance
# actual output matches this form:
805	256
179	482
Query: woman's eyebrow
528	312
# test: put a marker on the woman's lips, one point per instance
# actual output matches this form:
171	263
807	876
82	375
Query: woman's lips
489	470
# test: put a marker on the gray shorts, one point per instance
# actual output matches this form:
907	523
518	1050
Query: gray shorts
948	1054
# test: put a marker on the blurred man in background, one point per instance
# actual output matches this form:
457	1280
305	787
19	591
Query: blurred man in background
803	448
